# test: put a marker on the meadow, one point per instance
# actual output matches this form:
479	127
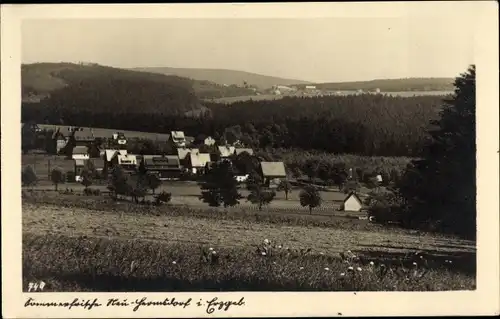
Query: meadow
95	244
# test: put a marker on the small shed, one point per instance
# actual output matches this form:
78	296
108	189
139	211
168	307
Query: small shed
273	173
352	203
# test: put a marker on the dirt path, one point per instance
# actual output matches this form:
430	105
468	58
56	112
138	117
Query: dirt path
57	220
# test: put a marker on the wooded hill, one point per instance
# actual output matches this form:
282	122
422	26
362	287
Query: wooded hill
58	80
225	77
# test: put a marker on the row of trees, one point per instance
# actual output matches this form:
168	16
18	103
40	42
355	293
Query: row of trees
220	188
363	125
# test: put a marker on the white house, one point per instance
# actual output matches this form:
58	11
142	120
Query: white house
209	141
352	203
178	139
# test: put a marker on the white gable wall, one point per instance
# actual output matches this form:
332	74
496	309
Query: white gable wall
352	205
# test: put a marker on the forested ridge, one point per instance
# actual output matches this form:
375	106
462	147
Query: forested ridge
371	125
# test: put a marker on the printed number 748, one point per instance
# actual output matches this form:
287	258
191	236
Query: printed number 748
34	286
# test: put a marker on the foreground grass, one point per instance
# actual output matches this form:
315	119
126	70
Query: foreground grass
241	214
84	263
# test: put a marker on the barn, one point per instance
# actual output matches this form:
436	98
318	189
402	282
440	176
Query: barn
273	173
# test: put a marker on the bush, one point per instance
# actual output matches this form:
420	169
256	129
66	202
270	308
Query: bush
385	208
163	197
91	191
70	176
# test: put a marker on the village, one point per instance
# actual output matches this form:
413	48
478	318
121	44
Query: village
185	159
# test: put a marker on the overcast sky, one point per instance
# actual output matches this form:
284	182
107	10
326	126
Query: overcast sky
319	49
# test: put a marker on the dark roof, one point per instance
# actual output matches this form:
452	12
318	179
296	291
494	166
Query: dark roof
80	150
238	151
161	162
355	196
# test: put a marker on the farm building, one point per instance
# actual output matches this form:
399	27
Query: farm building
273	173
196	162
352	203
238	151
226	151
80	152
177	139
163	166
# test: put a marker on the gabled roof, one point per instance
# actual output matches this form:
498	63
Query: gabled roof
355	196
183	152
178	135
156	161
199	160
80	150
273	169
226	151
110	153
238	151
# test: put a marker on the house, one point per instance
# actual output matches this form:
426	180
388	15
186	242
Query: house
310	87
238	151
164	167
79	164
110	158
197	162
177	139
226	151
59	140
127	161
209	141
82	135
273	173
352	203
80	152
120	138
182	153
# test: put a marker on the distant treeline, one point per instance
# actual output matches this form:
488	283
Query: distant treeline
369	125
392	85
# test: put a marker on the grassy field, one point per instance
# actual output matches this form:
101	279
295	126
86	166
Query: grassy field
121	250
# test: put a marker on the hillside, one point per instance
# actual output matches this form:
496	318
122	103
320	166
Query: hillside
96	88
224	77
392	85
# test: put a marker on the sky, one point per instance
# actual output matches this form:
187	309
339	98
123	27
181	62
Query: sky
312	49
